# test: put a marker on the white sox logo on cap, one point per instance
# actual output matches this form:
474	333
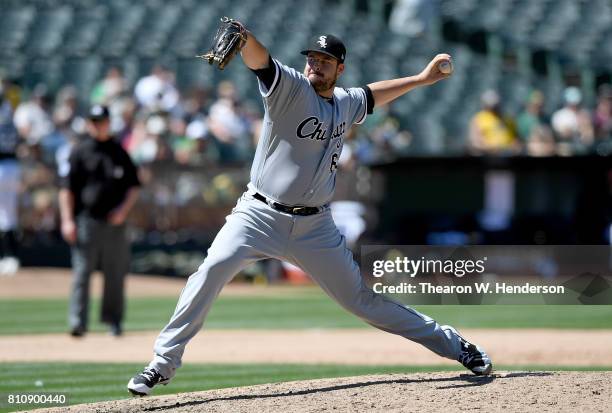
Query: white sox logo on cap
328	44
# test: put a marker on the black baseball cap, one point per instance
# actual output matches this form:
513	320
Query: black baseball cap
98	112
328	44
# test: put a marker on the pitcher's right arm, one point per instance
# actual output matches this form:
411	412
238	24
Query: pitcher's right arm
254	54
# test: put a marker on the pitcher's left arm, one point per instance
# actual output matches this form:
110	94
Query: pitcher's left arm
386	91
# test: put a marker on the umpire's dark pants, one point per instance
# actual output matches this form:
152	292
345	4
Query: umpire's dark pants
101	246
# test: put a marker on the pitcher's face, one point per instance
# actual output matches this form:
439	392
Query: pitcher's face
322	71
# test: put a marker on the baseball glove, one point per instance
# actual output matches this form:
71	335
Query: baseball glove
230	38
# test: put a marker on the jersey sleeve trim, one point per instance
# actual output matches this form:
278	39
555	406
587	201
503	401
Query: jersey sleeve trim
370	99
266	74
275	82
365	107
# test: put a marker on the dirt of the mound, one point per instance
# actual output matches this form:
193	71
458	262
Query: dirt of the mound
425	392
350	346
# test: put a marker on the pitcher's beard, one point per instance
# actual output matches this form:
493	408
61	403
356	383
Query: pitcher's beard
322	85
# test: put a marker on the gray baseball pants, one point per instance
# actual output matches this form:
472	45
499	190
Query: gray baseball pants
255	231
99	246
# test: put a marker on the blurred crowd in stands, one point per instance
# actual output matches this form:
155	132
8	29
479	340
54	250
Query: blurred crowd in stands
573	129
156	122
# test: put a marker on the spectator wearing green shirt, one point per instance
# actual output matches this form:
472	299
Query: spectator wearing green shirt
532	127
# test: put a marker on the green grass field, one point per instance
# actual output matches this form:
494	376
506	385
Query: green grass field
300	311
89	382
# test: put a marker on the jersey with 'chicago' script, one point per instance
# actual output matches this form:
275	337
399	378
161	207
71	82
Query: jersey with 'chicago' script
302	136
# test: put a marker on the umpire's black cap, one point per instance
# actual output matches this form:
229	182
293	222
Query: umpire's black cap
98	112
328	44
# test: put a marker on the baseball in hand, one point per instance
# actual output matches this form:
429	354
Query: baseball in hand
445	67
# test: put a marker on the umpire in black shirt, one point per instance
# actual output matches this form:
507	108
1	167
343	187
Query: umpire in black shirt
96	197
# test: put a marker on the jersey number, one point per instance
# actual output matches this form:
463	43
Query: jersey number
334	163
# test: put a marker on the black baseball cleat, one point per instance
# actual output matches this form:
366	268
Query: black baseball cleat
115	330
77	332
474	358
142	383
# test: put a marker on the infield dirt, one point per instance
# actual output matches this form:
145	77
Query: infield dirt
344	346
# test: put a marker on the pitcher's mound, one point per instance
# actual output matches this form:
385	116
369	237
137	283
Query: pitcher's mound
423	392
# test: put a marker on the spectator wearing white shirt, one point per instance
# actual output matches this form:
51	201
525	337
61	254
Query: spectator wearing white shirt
156	92
32	118
572	124
227	125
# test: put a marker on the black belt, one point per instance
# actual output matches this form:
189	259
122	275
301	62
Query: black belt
293	210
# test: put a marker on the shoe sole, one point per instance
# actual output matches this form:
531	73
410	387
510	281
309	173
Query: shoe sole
137	393
132	388
486	372
141	394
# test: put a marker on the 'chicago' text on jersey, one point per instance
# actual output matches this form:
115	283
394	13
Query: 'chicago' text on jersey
313	128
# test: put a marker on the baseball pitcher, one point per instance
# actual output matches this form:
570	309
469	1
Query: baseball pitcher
285	212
